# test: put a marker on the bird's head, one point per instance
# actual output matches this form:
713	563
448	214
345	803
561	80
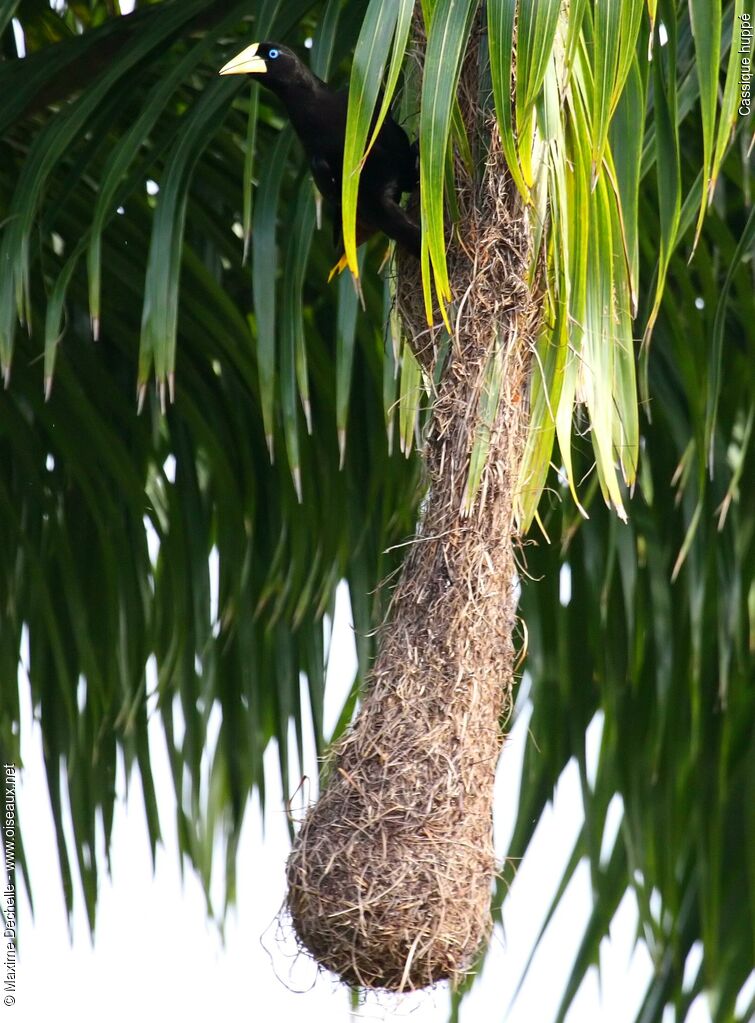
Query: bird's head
275	64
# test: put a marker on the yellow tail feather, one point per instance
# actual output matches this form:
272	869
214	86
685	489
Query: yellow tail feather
338	268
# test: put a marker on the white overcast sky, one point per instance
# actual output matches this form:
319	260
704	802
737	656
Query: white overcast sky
156	957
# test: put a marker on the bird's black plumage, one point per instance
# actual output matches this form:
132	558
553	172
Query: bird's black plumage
318	116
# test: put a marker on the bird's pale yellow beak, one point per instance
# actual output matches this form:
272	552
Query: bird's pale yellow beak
245	63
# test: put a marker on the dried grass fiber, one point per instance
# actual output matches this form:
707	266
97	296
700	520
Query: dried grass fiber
391	872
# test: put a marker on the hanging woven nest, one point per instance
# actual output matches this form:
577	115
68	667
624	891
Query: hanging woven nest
389	880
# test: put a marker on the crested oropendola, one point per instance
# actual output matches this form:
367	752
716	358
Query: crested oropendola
318	116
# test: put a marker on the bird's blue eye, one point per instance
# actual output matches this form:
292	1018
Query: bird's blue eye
272	54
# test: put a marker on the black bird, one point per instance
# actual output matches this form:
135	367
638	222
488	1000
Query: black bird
318	116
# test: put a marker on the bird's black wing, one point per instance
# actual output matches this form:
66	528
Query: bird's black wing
389	171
